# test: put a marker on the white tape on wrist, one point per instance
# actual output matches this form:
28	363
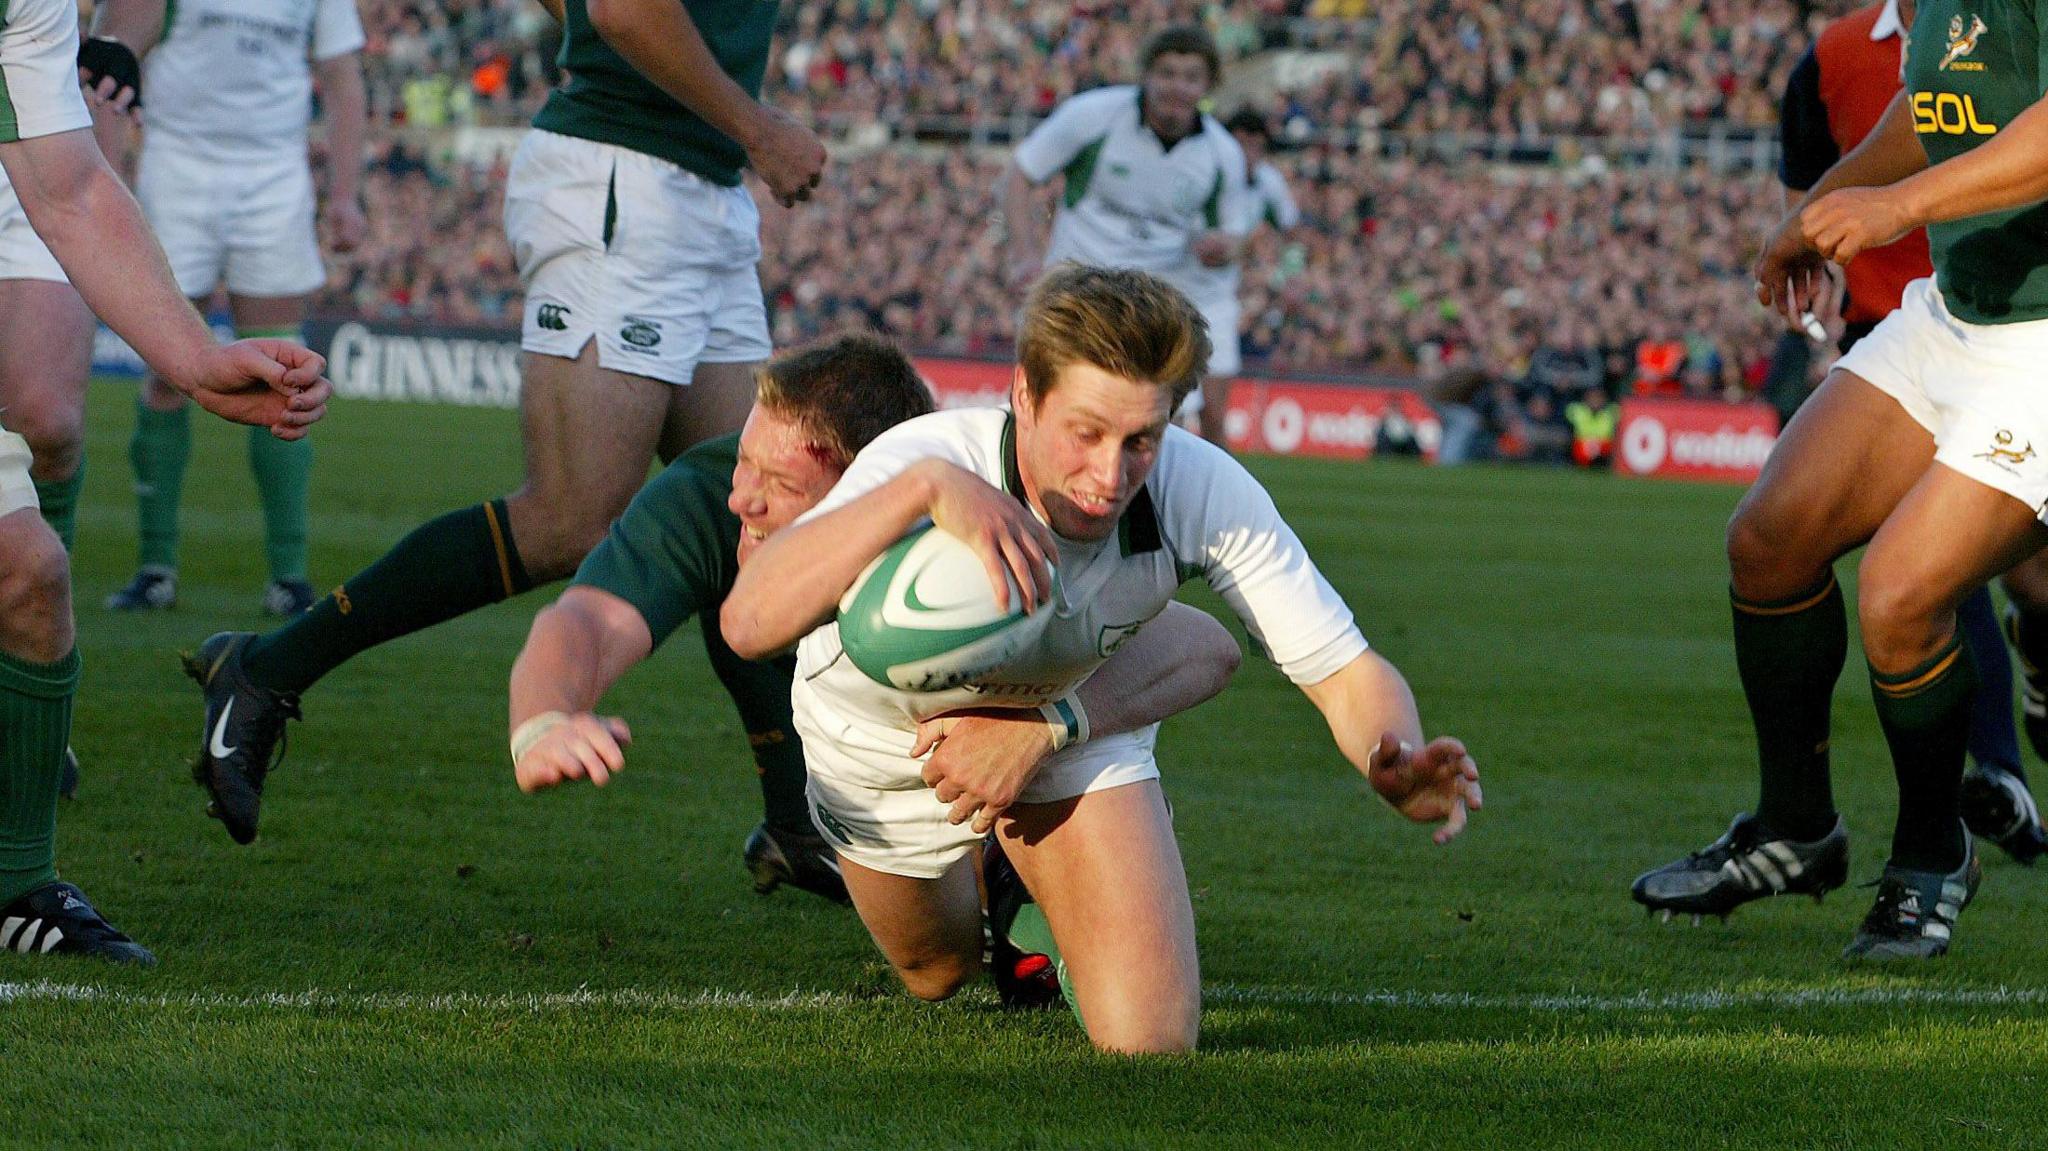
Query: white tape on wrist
1067	719
527	734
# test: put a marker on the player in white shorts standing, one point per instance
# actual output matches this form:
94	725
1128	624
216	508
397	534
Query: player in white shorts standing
1925	443
1151	182
96	233
1272	201
226	104
637	244
1086	474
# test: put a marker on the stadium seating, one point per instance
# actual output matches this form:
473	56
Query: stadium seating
1417	258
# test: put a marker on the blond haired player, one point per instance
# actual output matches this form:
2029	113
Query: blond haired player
1085	473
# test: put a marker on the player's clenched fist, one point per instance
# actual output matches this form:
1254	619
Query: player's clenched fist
269	383
785	154
1850	221
1436	783
553	748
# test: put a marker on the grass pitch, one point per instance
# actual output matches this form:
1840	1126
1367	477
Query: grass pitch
414	954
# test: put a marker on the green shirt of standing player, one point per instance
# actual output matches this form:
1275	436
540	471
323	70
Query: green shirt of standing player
676	552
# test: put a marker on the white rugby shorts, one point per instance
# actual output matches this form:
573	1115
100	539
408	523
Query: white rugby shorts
23	256
1976	387
874	808
1225	358
248	226
655	263
17	491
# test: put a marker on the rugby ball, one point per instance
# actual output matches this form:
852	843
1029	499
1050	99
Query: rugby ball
923	616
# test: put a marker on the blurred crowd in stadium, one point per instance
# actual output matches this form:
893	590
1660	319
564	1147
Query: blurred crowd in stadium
1530	281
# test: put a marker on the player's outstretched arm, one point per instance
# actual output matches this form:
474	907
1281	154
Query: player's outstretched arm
2008	170
1372	714
578	648
793	582
96	231
981	760
658	38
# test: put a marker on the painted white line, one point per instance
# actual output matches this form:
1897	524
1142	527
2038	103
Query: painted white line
1639	1003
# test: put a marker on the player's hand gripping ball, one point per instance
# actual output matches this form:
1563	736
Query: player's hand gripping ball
924	617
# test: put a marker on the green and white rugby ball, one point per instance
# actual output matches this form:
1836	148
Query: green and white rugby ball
923	616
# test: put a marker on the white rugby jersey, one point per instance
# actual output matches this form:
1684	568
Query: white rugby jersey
1272	202
230	77
1129	202
1199	514
39	70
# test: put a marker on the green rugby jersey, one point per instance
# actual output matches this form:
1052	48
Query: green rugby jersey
675	554
1971	67
608	101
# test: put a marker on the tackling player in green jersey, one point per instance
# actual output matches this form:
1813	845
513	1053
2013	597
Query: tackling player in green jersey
1924	442
675	554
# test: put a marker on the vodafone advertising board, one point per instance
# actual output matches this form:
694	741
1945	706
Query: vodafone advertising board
1267	417
1695	439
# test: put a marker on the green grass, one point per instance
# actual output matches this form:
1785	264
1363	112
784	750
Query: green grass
396	961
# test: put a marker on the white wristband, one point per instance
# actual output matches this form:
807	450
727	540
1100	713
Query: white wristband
527	734
1067	719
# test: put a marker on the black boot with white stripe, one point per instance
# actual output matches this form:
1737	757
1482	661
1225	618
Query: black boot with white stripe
1744	865
1997	806
55	919
1916	911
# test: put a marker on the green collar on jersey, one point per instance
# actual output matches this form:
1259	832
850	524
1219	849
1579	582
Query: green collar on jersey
1136	533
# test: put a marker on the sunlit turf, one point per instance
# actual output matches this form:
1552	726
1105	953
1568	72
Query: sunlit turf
398	960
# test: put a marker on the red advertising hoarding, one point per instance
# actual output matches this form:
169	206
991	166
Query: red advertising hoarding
1267	417
1695	439
1334	421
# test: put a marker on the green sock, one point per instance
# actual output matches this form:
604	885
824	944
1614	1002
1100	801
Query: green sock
159	451
447	567
760	691
1031	933
1925	713
1790	653
35	726
284	472
60	503
284	476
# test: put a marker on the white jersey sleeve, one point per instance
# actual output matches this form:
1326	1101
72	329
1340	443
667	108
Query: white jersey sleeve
946	436
1079	121
39	93
1221	524
1276	200
337	29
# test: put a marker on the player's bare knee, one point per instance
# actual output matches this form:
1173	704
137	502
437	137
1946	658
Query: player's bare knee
35	590
1905	622
936	978
55	435
551	533
1771	555
1171	1035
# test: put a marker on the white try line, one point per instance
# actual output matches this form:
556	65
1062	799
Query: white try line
1225	994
